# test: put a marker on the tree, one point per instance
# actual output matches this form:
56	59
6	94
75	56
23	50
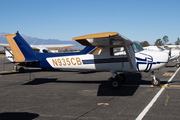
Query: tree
169	44
165	39
158	42
177	42
144	44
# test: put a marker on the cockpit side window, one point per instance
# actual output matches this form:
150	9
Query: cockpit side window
117	51
137	47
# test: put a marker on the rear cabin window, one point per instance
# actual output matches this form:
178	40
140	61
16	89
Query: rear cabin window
96	51
117	51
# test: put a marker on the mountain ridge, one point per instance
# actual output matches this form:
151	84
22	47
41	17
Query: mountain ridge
39	41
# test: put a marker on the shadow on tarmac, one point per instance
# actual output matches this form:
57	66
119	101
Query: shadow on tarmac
133	81
18	116
38	81
37	70
103	90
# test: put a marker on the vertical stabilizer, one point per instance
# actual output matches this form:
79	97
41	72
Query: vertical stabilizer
20	48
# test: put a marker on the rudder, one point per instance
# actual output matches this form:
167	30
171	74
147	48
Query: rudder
20	48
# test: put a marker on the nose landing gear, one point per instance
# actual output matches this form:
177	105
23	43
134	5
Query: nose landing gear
155	81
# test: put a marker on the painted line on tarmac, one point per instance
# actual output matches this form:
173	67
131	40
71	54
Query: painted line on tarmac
168	74
147	108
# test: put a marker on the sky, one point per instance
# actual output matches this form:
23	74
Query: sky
138	20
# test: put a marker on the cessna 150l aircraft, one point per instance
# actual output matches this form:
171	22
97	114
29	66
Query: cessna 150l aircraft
98	56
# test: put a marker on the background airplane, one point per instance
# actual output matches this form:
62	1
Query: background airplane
37	48
173	54
98	56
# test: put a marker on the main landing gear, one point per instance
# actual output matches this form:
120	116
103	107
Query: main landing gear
155	81
116	80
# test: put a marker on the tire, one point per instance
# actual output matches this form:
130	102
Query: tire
156	83
21	70
115	84
177	65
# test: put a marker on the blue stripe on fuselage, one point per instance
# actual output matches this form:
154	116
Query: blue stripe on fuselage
105	60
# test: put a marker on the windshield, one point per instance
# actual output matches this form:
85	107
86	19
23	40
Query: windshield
137	47
160	48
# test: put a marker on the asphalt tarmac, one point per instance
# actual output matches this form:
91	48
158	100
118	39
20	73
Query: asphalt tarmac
74	95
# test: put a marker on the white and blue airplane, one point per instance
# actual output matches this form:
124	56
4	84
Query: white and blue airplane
98	55
173	54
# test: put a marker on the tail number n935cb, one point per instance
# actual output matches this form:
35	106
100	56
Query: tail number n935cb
67	61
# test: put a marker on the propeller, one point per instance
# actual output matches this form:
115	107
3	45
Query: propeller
169	52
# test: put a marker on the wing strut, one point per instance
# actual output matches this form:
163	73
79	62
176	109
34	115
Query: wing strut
8	51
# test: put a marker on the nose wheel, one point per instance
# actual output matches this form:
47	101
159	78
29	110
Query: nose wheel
155	81
177	65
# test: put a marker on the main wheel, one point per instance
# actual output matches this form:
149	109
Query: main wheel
21	70
115	83
155	82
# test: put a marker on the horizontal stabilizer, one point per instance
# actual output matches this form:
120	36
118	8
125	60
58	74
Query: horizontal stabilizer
4	45
27	61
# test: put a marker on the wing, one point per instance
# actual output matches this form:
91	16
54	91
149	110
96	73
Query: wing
57	46
4	45
103	39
